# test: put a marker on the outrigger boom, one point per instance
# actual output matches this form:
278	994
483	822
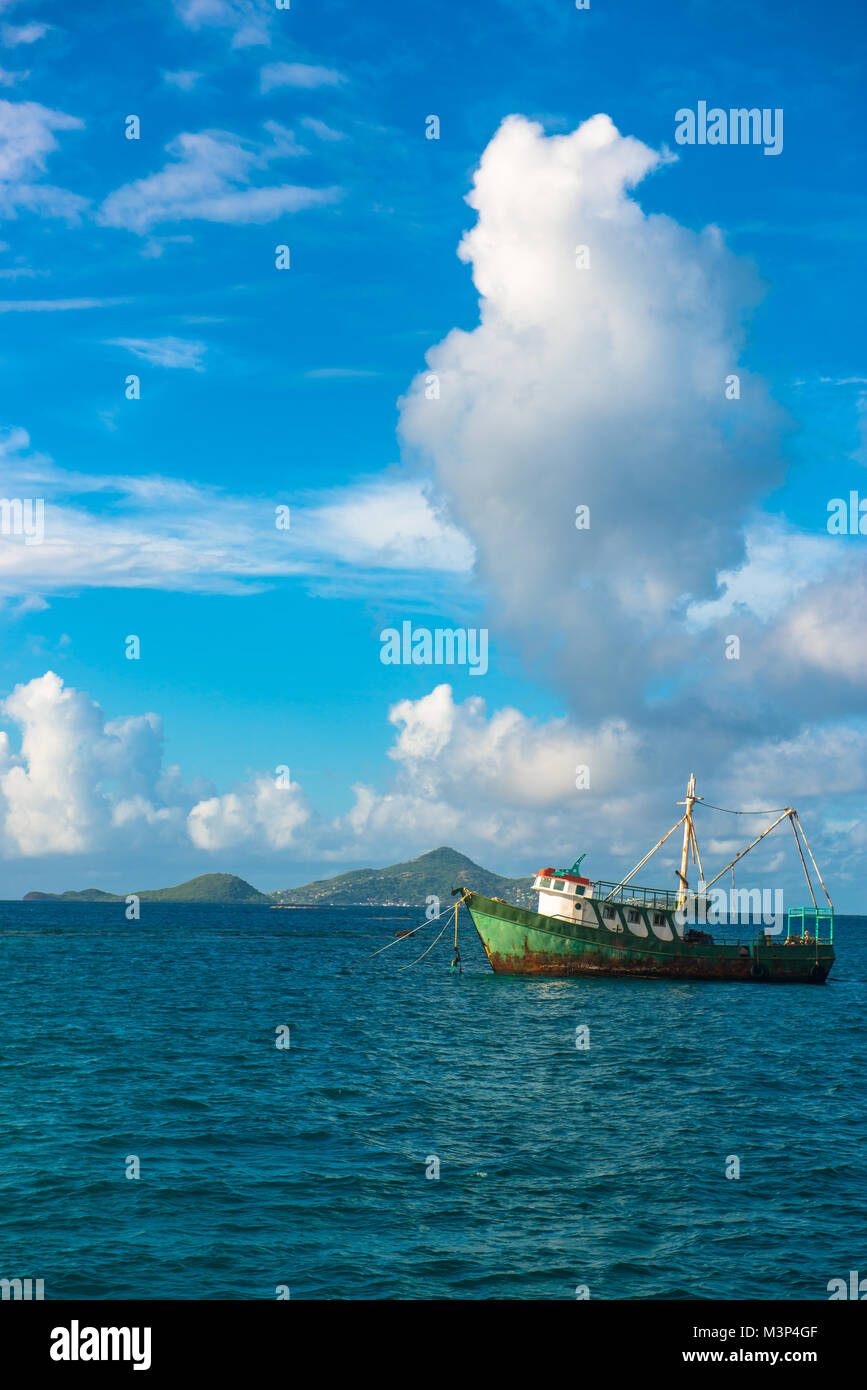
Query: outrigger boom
690	840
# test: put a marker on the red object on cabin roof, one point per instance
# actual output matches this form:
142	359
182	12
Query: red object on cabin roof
573	878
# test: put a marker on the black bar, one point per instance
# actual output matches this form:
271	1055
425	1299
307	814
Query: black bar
228	1338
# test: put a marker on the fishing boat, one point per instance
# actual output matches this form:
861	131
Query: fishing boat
586	927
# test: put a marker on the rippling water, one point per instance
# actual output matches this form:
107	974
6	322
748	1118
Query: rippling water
306	1166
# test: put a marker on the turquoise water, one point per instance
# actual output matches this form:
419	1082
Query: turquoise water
305	1166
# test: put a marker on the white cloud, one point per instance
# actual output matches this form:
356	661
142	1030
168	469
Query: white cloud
165	352
320	129
210	178
262	813
507	759
600	386
184	79
55	795
155	246
304	75
818	761
83	784
168	534
492	782
27	138
823	632
488	782
248	20
51	306
791	604
391	525
779	563
14	35
605	387
19	608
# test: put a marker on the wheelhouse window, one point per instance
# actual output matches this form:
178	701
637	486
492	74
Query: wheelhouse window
544	882
559	884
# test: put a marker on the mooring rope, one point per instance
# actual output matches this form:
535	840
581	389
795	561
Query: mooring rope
404	936
424	953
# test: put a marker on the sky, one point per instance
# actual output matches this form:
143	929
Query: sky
506	292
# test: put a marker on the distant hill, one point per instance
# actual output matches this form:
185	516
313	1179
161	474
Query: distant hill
432	874
207	888
82	895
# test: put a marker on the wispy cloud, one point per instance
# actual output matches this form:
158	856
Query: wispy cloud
210	178
15	34
165	352
47	306
297	75
320	129
156	245
247	20
185	79
27	138
157	532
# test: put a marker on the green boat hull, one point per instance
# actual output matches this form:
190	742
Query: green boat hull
520	942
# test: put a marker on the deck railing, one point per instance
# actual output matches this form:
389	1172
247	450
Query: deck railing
633	896
802	923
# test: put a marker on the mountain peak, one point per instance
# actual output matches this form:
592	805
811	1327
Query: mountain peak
430	875
445	852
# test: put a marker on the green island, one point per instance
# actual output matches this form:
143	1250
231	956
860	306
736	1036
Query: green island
398	885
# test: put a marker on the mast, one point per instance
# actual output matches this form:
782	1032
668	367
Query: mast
688	834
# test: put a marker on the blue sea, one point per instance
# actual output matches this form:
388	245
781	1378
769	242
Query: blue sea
304	1168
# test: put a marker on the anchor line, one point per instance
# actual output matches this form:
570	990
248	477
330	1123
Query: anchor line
421	926
424	953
